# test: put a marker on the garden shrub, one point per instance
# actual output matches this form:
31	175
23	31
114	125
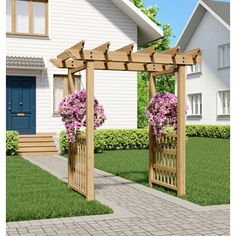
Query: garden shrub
63	142
115	139
211	131
12	140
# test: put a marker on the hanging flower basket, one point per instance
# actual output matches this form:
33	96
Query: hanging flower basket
72	109
162	113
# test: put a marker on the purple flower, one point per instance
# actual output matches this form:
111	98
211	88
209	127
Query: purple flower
72	109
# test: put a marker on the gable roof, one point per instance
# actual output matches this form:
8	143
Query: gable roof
220	10
147	29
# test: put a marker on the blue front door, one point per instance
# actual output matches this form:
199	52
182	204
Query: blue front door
21	104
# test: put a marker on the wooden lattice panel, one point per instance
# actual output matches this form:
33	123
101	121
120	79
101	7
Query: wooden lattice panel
78	165
165	162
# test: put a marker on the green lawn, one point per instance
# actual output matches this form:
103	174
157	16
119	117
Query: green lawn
33	193
207	169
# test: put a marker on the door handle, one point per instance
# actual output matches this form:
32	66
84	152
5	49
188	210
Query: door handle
9	108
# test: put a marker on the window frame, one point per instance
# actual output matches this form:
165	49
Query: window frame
189	72
220	54
65	77
219	100
201	105
31	18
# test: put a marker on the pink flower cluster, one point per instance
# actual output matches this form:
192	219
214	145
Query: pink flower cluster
72	109
162	112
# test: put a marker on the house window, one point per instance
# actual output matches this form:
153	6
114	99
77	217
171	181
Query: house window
195	104
59	90
224	56
27	17
194	68
223	102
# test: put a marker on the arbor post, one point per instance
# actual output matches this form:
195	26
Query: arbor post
90	130
152	140
181	110
71	146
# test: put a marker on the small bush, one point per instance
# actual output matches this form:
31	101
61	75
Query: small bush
210	131
12	139
63	142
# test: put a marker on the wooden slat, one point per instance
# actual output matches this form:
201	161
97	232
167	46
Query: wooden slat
103	48
164	184
165	151
165	168
37	149
38	139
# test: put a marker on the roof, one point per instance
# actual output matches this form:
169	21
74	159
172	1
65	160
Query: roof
17	62
220	10
147	29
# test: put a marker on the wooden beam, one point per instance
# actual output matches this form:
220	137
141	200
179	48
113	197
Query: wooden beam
181	131
79	46
121	56
171	51
150	50
77	69
128	49
65	86
152	141
103	48
165	72
67	54
193	53
90	130
71	81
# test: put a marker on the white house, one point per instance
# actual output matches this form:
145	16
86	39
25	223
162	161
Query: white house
38	30
208	83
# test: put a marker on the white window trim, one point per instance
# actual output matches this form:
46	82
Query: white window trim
218	101
194	115
196	72
54	113
218	55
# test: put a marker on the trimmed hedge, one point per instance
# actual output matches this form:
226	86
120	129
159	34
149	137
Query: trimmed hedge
114	139
12	140
210	131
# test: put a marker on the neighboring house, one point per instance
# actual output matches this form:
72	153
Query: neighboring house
208	83
38	30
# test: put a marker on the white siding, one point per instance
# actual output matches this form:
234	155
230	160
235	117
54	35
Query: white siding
209	35
69	22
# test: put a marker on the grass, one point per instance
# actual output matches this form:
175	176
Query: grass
207	169
33	193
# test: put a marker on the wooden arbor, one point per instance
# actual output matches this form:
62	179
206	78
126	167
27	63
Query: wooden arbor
167	156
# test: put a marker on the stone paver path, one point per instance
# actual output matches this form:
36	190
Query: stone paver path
138	210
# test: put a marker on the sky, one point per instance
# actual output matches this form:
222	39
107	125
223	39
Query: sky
174	12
